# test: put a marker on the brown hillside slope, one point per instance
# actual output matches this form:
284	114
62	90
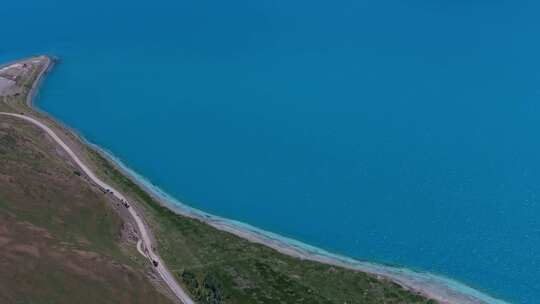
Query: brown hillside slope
60	241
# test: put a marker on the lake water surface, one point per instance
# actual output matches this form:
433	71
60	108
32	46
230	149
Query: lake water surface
404	132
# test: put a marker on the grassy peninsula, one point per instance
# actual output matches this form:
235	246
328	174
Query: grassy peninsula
79	242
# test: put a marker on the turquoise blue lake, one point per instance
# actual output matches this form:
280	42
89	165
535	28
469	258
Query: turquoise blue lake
401	132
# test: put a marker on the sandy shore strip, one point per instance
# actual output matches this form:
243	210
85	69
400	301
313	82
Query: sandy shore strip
439	288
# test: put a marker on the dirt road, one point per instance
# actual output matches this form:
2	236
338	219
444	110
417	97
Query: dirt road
147	251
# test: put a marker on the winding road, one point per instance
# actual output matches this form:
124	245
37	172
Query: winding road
144	241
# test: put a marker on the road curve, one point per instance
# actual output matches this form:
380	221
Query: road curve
149	253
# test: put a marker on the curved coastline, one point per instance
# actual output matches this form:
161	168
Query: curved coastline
437	287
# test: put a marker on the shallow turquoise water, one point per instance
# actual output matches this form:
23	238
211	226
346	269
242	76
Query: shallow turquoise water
392	131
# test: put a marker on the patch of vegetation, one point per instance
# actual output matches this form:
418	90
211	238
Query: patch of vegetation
219	267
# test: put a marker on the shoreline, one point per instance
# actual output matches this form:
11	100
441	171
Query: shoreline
32	95
437	287
440	288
